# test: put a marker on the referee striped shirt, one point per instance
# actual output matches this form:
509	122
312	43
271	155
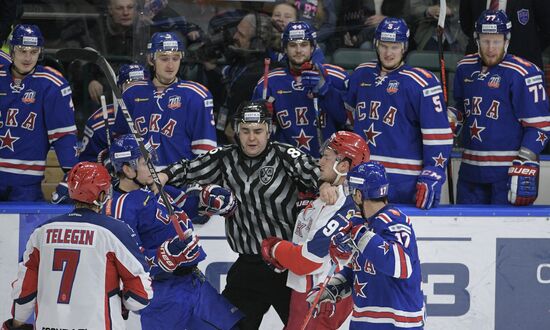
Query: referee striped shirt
266	187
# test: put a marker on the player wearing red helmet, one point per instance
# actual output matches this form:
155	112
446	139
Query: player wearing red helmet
306	257
82	261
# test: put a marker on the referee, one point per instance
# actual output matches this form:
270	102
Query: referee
266	178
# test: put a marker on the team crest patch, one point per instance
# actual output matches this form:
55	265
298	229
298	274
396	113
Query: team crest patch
174	102
393	87
29	96
297	86
266	174
494	81
523	16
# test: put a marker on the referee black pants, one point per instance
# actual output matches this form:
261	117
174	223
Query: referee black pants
253	287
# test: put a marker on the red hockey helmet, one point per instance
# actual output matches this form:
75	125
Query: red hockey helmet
349	145
87	180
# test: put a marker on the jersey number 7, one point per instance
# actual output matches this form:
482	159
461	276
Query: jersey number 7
65	260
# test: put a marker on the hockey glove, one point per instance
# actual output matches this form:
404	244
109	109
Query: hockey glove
268	245
61	193
218	200
314	80
336	290
428	188
523	182
346	246
174	252
456	120
8	325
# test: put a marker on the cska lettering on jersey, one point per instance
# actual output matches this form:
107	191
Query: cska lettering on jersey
35	113
388	110
505	108
70	236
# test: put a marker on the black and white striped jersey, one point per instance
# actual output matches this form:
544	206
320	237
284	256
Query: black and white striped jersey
266	187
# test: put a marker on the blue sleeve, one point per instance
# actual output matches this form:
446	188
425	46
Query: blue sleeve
333	101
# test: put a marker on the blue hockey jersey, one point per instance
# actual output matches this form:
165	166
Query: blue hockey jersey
95	134
504	108
34	115
178	122
386	277
146	214
295	111
402	115
5	61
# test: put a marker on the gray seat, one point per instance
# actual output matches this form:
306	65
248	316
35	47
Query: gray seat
350	58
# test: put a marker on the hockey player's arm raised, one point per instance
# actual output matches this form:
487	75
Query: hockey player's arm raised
204	169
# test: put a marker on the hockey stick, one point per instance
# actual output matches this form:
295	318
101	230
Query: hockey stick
92	55
267	61
316	107
440	31
105	120
322	288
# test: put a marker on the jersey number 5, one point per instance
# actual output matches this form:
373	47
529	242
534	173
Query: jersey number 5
65	260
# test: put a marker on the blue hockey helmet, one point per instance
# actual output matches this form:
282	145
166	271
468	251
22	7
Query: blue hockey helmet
493	22
25	35
165	42
131	72
124	150
370	179
392	29
299	31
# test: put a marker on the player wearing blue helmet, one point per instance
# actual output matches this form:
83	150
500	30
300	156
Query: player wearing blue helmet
307	95
183	298
400	110
503	101
37	113
175	116
380	257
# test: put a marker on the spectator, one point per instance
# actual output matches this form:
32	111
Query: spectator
530	25
37	113
234	83
11	12
505	109
360	19
321	14
82	269
425	15
393	102
311	108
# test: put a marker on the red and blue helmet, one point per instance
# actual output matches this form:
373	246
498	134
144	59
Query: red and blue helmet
493	22
370	179
392	30
132	72
299	31
26	36
165	42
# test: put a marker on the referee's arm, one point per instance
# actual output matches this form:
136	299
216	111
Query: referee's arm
204	169
303	169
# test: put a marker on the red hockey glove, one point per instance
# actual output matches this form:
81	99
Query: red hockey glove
523	182
267	255
173	252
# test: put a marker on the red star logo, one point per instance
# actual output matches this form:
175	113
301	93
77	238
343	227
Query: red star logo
542	138
439	160
150	262
476	130
358	287
385	246
6	141
303	140
371	134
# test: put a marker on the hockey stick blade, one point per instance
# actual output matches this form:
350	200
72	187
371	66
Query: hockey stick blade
71	54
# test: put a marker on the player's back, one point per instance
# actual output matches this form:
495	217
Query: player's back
82	257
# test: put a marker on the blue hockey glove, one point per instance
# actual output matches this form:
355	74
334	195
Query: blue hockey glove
174	252
428	188
61	193
523	182
456	120
218	200
315	80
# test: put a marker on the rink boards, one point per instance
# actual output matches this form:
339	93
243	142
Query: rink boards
482	268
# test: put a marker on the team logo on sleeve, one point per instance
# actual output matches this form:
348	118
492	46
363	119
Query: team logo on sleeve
393	87
29	96
174	102
494	81
266	174
523	16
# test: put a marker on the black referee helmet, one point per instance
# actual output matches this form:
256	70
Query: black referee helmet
256	111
